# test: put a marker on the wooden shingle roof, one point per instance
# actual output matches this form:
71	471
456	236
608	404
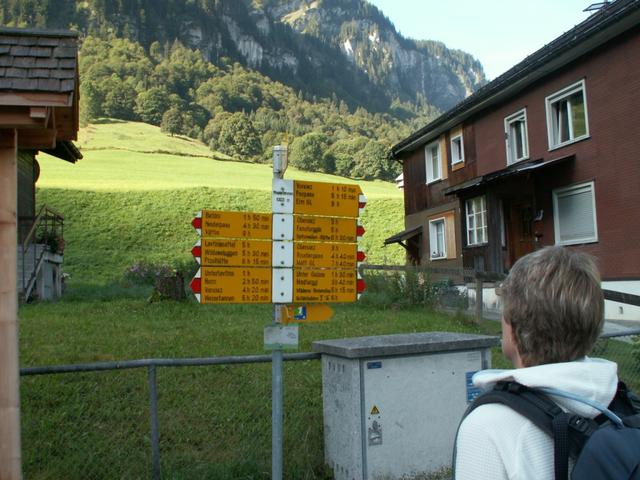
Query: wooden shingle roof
38	60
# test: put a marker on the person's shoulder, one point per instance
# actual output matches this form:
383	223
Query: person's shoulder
494	416
497	424
496	439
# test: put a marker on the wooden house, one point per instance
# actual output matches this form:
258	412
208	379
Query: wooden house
545	154
38	112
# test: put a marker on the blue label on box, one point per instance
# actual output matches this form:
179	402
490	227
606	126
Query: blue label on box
371	365
472	392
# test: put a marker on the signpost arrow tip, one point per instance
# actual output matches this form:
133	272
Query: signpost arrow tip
360	256
197	223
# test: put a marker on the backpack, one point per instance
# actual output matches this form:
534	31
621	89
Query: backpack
605	447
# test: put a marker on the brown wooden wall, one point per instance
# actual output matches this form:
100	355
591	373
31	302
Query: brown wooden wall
26	192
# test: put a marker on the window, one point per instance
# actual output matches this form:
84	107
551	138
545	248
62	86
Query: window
574	210
437	239
515	134
432	157
457	150
567	116
476	221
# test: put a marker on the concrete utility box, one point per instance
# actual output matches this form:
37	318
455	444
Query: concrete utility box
392	403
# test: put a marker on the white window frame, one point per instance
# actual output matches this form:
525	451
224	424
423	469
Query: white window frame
520	115
460	159
428	158
552	128
564	191
433	233
482	213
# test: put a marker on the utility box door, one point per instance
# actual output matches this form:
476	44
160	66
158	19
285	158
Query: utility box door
412	406
392	403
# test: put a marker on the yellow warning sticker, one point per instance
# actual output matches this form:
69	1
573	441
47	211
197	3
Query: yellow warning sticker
375	411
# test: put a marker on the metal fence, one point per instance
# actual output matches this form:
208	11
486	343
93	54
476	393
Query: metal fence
106	420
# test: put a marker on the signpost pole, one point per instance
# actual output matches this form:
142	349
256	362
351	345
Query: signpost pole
277	395
277	390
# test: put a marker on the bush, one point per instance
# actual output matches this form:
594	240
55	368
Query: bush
399	289
145	273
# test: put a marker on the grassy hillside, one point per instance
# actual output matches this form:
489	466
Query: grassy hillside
127	156
122	203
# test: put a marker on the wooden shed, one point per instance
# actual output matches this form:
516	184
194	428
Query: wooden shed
38	112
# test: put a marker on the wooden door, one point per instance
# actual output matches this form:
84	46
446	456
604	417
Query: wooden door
519	223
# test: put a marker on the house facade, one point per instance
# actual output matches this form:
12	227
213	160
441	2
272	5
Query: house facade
545	154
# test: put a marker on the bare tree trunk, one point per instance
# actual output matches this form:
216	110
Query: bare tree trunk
10	459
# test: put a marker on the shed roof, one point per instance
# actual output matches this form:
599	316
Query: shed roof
38	60
612	20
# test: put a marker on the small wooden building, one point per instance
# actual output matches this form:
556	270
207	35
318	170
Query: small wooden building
545	154
38	112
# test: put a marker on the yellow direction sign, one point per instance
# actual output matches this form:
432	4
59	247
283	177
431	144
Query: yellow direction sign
325	286
307	313
233	253
214	223
326	229
328	199
232	285
325	255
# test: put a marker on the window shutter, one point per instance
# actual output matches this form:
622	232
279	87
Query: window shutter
576	215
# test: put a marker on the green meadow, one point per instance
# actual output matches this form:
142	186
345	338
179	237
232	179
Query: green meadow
130	199
133	195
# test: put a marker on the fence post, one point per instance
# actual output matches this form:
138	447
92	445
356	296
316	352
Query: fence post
155	433
479	300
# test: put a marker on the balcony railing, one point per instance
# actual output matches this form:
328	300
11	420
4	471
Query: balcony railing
45	235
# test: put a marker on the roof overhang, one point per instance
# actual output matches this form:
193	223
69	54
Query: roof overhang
404	235
65	150
597	30
505	173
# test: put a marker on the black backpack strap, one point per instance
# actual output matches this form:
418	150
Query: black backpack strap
626	405
560	425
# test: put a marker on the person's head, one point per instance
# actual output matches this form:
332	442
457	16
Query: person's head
553	307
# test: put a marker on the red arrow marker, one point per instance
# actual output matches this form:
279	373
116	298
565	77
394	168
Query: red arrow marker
360	256
360	231
360	286
196	285
197	251
197	223
362	201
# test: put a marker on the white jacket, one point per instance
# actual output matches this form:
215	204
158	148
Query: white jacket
496	443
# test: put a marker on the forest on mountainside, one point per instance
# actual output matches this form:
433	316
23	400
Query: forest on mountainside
236	111
191	66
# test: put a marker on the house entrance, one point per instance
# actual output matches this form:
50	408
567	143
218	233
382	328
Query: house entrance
519	227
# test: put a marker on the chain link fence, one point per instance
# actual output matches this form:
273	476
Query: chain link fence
213	415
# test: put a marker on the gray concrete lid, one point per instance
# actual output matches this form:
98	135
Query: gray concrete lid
404	344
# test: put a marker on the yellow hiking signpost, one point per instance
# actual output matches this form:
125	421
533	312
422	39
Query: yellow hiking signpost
301	256
213	224
233	285
328	199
